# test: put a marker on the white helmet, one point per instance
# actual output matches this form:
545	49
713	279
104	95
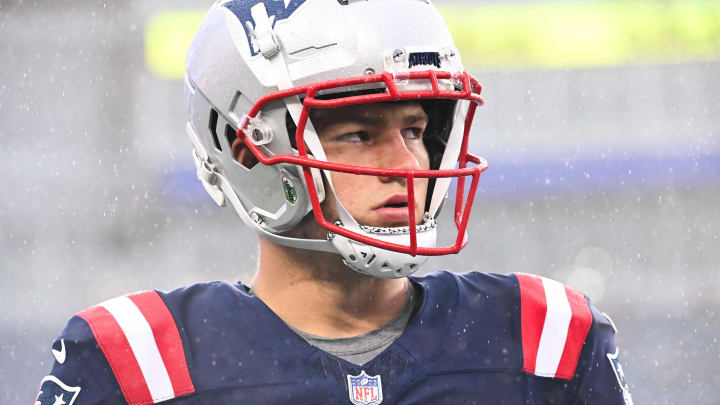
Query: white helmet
257	67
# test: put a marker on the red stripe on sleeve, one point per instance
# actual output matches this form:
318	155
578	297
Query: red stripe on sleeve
533	308
117	351
577	332
167	338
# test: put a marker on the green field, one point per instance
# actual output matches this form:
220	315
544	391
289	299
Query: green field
546	35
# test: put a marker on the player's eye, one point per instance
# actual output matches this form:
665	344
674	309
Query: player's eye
359	136
412	133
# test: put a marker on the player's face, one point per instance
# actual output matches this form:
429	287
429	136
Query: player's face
381	135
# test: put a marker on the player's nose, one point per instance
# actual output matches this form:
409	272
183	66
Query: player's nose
395	154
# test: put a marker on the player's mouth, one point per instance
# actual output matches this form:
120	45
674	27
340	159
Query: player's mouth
394	210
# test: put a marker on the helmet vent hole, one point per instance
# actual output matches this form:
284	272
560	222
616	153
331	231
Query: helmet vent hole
230	135
413	267
385	265
242	155
352	257
213	128
371	259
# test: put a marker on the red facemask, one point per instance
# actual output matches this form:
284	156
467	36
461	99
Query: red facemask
469	89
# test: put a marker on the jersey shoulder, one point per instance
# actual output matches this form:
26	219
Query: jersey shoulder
528	337
130	348
545	321
79	369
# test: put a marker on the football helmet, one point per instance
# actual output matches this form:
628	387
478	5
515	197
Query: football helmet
255	71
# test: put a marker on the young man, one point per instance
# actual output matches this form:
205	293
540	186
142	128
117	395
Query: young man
334	128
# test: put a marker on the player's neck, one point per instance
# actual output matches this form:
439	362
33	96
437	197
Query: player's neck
314	292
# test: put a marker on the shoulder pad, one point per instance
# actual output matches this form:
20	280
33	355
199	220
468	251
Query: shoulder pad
555	321
140	340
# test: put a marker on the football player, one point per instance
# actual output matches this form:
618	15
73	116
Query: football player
336	129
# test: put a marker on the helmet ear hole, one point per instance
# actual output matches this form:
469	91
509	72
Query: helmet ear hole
241	153
243	156
230	135
212	125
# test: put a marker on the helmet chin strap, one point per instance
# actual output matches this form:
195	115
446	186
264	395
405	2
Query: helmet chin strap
263	29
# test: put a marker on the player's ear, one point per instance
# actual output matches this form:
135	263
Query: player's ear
243	154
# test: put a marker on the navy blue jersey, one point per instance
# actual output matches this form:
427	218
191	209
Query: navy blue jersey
476	339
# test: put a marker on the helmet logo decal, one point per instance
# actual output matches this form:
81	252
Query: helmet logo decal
424	59
277	10
289	189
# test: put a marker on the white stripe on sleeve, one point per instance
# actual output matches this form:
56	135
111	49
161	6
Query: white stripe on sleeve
142	342
555	329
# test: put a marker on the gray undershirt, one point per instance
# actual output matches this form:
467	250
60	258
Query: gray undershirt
362	348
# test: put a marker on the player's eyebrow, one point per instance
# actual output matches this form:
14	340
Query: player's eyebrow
415	118
372	120
362	119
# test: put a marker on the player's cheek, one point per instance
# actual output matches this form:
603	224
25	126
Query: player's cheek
347	187
421	191
421	155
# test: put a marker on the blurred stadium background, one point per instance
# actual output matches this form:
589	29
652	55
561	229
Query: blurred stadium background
601	128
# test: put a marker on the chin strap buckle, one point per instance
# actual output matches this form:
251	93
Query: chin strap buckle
207	174
263	38
206	171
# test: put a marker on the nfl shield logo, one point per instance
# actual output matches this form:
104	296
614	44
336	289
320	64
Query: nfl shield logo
365	390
